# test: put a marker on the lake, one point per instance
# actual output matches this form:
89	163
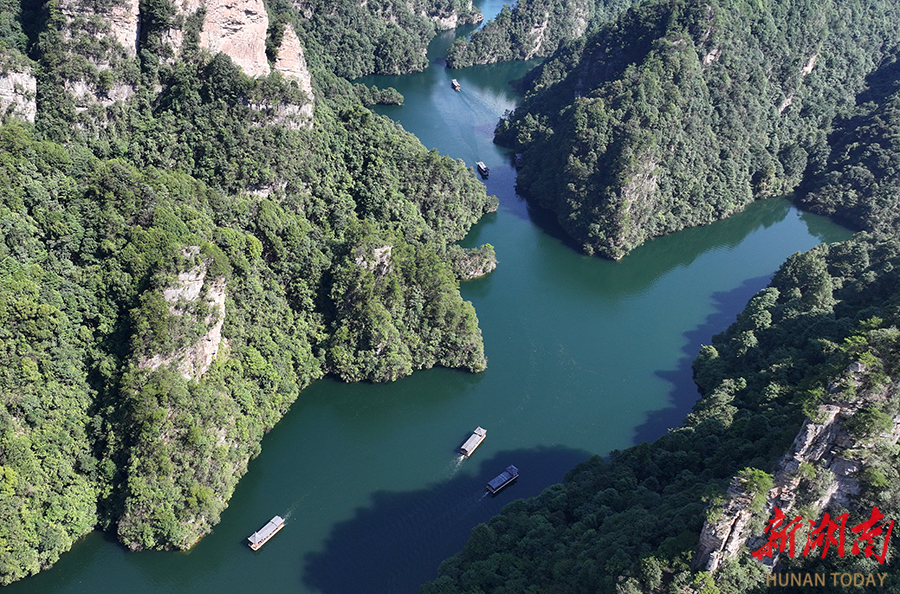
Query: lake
584	356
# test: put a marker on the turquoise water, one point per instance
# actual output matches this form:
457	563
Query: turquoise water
584	356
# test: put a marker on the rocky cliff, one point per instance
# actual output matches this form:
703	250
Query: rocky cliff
821	469
106	33
236	28
116	21
17	93
193	287
291	63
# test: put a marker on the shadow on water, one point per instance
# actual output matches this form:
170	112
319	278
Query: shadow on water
397	543
684	393
642	267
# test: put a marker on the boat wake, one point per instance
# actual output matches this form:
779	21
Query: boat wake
456	463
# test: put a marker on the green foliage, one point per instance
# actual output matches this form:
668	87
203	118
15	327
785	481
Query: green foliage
372	95
869	422
756	483
858	182
531	29
353	38
678	114
635	518
125	227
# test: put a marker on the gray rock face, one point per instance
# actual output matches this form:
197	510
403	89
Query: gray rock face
195	360
822	443
18	90
120	20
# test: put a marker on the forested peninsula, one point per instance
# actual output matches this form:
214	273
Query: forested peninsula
198	220
528	29
679	113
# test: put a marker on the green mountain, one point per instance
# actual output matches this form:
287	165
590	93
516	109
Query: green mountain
184	248
531	29
680	113
859	182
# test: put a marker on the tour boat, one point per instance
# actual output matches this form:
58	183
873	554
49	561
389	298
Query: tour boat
473	442
262	536
504	478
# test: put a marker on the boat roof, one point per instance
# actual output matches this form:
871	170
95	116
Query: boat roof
267	530
504	476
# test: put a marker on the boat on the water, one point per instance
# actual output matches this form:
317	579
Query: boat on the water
455	84
473	442
503	479
262	536
483	169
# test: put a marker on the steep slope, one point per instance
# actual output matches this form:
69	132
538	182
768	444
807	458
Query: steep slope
531	29
680	113
180	260
859	183
359	38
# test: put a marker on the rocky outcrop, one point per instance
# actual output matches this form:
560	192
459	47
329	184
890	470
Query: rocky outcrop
447	18
118	19
378	262
86	94
724	534
822	445
472	263
106	35
18	90
236	28
192	285
291	63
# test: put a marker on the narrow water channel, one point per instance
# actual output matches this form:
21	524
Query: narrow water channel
584	356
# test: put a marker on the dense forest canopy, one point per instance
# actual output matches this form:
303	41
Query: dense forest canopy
176	266
162	202
859	182
531	29
680	113
373	37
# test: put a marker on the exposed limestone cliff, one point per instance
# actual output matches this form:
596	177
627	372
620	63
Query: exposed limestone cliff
291	63
823	446
106	35
447	18
118	20
191	286
86	94
236	28
17	94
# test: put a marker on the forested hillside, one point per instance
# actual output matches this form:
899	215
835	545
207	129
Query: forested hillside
631	522
680	113
859	183
185	248
531	29
359	38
